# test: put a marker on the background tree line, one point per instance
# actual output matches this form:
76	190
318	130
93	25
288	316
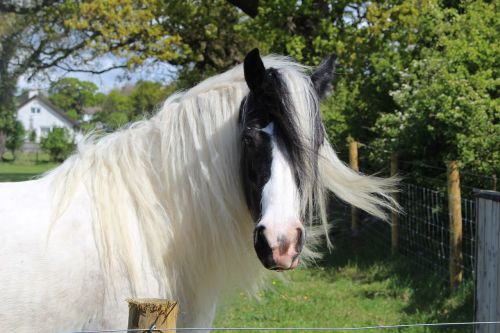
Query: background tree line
114	109
419	77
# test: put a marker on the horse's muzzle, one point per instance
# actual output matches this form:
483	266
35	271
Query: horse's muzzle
279	251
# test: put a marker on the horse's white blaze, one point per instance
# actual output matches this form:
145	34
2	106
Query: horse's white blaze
280	196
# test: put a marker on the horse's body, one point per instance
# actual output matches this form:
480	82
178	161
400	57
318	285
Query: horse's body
158	210
53	278
38	273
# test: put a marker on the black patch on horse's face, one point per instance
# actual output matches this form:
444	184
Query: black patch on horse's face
323	76
261	107
256	162
269	101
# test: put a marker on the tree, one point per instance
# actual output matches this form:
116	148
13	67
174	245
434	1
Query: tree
32	38
117	109
414	76
147	97
72	95
131	103
447	104
15	138
36	36
58	143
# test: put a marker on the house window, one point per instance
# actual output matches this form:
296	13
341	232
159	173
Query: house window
35	110
45	131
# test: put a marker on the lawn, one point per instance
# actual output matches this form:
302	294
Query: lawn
358	284
15	173
24	167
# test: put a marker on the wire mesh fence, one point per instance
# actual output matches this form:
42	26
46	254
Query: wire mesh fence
425	232
424	227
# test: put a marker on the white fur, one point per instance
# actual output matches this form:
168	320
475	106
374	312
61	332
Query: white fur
154	210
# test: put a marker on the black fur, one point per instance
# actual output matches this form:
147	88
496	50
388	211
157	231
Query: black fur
256	162
323	76
254	70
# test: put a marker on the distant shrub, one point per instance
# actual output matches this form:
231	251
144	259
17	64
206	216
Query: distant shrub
32	136
58	143
15	138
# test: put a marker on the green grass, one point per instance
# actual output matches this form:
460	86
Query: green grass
24	167
357	284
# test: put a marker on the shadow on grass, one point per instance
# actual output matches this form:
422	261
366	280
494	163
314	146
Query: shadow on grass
366	257
18	177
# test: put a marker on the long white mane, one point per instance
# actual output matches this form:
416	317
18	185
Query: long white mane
173	182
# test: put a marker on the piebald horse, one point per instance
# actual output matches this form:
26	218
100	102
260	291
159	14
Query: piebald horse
192	204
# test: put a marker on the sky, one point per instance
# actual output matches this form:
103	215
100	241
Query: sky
107	81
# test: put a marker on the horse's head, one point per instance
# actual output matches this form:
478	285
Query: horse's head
279	160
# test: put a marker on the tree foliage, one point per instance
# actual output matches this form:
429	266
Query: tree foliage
445	95
15	138
58	143
417	76
199	37
72	95
132	103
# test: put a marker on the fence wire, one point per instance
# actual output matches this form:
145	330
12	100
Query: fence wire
425	232
424	229
397	327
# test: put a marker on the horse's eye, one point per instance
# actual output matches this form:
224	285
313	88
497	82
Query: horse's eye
248	140
251	138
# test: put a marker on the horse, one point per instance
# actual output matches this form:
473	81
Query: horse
225	184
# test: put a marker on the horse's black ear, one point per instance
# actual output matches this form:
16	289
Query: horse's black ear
254	69
323	76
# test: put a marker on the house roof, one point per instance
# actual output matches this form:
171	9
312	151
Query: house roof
51	106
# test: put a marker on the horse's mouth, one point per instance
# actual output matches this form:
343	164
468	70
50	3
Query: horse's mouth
293	265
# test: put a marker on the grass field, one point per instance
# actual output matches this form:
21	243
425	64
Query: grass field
357	284
24	167
14	173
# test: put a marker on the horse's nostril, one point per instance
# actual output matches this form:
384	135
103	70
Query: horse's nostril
300	239
258	234
261	245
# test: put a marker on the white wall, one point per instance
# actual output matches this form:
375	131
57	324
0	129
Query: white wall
42	120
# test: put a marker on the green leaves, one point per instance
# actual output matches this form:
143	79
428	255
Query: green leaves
58	143
131	103
445	96
15	138
72	95
418	76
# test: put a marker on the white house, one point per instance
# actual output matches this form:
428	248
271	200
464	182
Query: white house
38	114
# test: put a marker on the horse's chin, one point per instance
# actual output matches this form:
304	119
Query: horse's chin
295	263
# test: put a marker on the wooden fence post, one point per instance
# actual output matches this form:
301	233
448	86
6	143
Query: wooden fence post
455	213
487	292
149	313
353	159
394	214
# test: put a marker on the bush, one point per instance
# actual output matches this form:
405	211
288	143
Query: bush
58	143
15	138
32	136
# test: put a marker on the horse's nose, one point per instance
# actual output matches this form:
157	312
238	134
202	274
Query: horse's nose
278	250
